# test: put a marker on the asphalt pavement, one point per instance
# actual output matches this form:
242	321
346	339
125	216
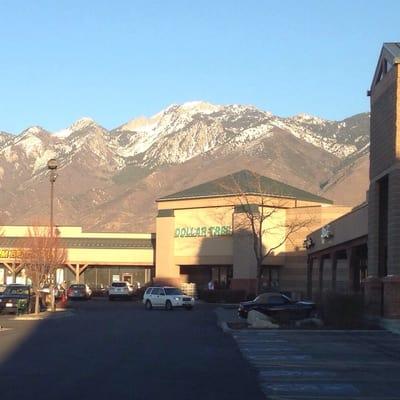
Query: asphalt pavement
324	365
115	350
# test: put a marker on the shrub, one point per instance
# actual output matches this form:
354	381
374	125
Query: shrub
222	295
343	310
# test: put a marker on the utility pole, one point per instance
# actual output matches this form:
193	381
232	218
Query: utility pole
52	166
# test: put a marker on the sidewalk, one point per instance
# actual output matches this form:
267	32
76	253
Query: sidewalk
227	313
59	313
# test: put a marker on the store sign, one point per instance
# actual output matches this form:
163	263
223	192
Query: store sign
204	231
326	233
10	253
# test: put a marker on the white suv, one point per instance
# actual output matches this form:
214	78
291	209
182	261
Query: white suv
166	297
119	290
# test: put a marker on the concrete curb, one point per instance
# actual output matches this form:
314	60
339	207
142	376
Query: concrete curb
224	326
46	315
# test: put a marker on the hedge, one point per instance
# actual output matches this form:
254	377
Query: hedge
222	295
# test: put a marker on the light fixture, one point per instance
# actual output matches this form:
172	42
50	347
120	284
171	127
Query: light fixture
308	243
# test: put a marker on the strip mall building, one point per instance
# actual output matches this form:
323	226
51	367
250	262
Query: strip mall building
200	236
365	244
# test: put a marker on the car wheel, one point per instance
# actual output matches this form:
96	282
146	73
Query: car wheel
148	305
168	305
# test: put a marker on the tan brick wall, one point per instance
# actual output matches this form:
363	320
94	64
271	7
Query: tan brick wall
394	223
383	124
373	229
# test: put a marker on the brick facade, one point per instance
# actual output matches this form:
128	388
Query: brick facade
384	191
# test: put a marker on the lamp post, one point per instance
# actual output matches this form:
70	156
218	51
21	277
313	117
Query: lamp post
52	166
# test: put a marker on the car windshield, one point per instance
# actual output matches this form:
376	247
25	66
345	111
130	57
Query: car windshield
265	298
16	290
118	284
172	291
78	287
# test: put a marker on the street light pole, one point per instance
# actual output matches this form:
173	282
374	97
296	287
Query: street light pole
52	166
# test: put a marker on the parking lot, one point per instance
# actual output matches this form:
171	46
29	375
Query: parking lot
117	349
101	350
324	364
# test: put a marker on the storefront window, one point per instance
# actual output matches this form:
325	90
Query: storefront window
271	276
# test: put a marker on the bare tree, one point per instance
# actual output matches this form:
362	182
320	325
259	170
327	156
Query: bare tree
262	218
41	254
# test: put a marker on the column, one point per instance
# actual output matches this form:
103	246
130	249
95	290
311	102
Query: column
334	269
167	272
350	255
244	259
77	273
310	261
373	229
320	276
391	283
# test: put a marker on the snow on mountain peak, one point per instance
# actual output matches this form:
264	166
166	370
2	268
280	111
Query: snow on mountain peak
79	124
307	118
82	123
202	107
33	130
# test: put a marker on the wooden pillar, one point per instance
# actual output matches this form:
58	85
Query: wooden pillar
77	273
334	269
13	271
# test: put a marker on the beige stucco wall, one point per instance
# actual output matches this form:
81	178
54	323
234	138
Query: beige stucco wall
93	256
237	249
351	225
73	232
165	263
208	249
137	257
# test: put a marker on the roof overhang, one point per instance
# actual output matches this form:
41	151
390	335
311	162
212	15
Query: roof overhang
389	56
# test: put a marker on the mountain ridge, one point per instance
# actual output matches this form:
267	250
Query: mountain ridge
100	167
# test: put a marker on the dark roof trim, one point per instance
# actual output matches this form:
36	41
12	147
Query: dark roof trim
166	213
248	183
91	243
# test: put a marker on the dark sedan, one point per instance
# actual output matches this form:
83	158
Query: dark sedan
17	299
79	291
279	307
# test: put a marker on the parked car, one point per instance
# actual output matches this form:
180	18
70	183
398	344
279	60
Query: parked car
57	291
99	290
79	291
279	307
120	290
166	297
18	298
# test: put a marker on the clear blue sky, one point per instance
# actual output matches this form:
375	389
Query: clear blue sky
115	60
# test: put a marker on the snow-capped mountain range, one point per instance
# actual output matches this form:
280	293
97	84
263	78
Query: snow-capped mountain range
98	165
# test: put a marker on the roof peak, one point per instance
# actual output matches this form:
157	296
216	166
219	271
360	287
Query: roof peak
245	182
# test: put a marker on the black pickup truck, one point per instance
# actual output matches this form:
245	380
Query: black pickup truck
17	299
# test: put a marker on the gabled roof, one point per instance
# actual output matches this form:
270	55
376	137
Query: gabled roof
390	55
246	182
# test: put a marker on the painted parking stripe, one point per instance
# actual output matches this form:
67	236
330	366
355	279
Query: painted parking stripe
291	357
263	350
320	389
296	373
